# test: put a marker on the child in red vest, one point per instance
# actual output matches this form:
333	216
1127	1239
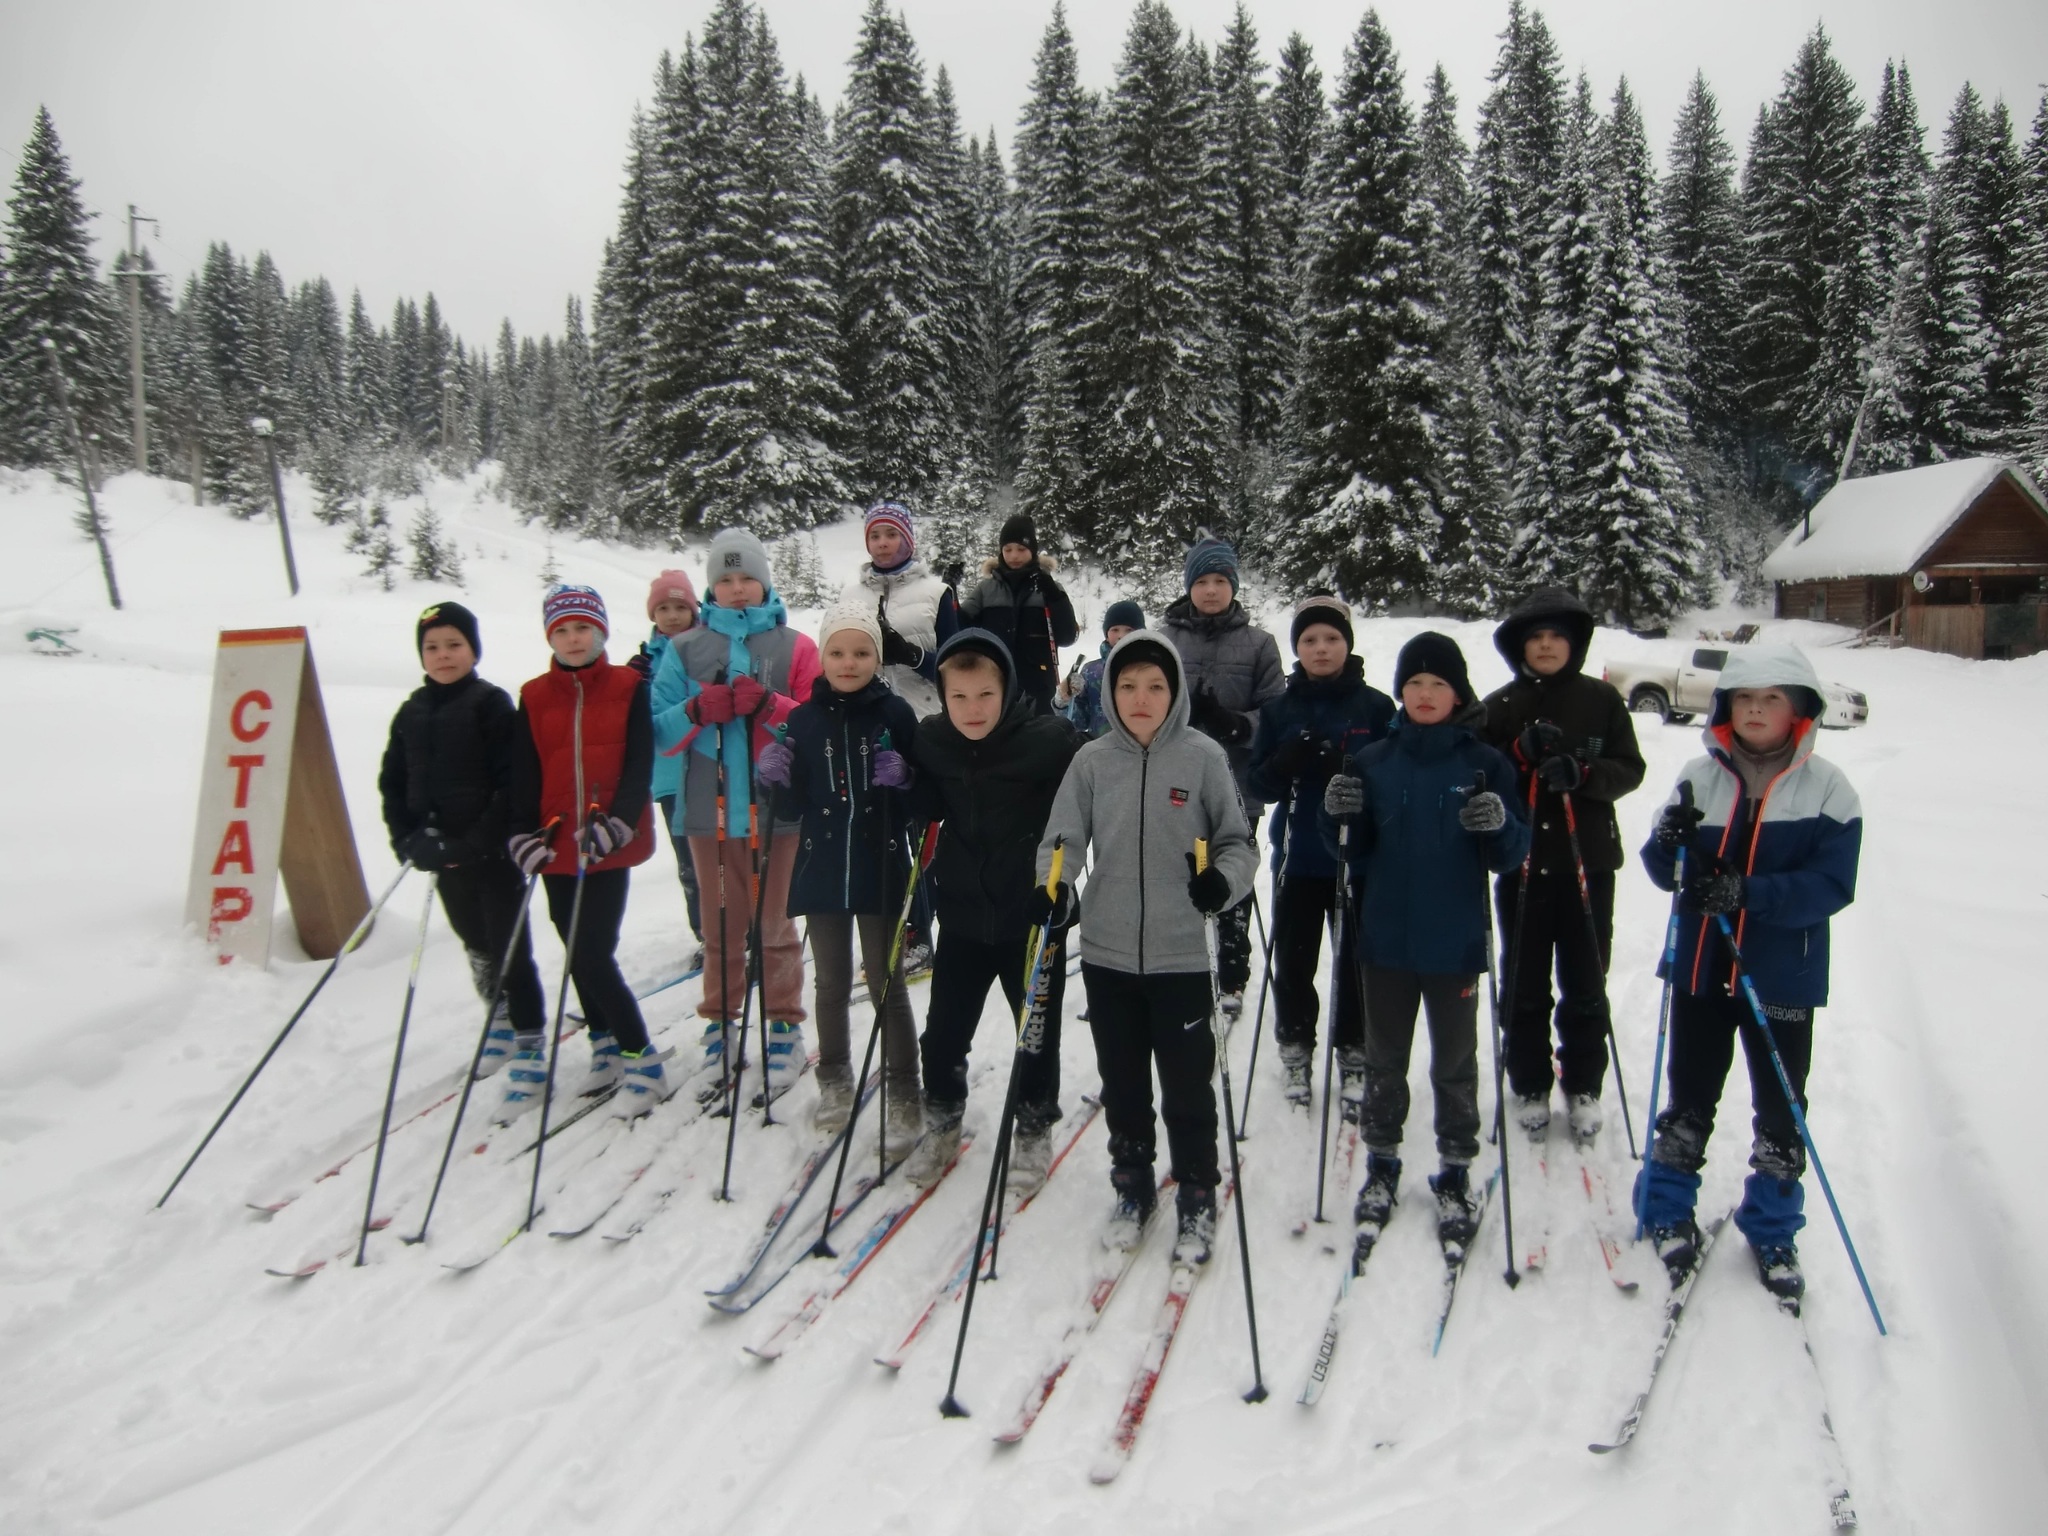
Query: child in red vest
586	759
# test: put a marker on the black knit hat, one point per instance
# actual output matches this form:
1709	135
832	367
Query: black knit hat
1138	650
1438	655
1122	612
1019	529
450	616
1321	608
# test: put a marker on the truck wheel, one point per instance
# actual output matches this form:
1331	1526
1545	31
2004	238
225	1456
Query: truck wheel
1650	701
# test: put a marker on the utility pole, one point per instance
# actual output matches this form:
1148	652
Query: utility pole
92	522
262	428
138	407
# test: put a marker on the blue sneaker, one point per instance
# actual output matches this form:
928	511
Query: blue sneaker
526	1082
785	1055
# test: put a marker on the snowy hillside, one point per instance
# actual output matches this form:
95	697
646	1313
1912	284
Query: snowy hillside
157	1380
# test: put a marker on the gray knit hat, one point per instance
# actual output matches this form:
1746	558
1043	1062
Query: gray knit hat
736	550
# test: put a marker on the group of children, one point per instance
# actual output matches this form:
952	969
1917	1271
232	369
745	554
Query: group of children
796	779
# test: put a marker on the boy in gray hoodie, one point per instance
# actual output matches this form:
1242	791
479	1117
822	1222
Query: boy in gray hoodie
1141	797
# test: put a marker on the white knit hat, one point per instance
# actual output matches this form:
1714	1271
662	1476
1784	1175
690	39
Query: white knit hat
849	617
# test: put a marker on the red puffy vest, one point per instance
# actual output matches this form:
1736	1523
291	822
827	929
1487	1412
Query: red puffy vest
590	704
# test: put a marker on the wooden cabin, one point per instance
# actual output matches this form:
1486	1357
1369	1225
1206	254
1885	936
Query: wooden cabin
1948	557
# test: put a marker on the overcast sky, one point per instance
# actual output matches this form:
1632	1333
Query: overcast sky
472	148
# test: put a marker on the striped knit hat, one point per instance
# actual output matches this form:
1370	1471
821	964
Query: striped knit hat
895	515
1210	557
566	601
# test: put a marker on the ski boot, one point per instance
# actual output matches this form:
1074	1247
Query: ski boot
941	1141
716	1034
1196	1233
1457	1205
835	1100
785	1056
643	1084
605	1066
1380	1192
526	1080
1678	1247
1126	1228
902	1119
1532	1114
499	1043
1030	1159
1351	1084
1586	1118
1777	1265
1294	1063
1232	1006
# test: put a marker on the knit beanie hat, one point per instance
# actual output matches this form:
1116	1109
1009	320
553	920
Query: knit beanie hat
1437	654
736	550
1140	649
566	601
1125	612
892	514
1210	557
452	616
671	584
850	617
1019	529
1321	608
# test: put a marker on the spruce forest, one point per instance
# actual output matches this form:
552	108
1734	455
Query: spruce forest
1250	292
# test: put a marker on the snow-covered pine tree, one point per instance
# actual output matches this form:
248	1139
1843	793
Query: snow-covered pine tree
366	376
1361	453
1059	170
371	538
315	348
1948	366
53	291
1985	179
1700	226
185	391
434	555
619	342
232	472
1639	548
1897	176
2034	284
267	355
999	329
1300	118
433	403
1149	348
579	488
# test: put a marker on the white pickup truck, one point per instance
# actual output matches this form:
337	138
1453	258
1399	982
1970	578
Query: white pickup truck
1675	692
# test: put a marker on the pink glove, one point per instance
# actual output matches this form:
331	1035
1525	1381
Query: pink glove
714	706
532	851
773	764
747	696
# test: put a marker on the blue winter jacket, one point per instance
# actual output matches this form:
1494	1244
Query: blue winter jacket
1423	900
1797	847
1084	709
853	829
668	767
1345	711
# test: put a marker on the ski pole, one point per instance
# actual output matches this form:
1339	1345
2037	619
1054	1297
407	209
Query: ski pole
1343	893
554	1040
882	1085
1571	827
412	986
1244	1244
724	937
362	931
1251	1066
878	994
1513	1276
1670	968
1510	980
1763	1023
749	977
950	1405
483	1037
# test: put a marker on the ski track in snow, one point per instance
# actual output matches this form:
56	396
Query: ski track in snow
159	1382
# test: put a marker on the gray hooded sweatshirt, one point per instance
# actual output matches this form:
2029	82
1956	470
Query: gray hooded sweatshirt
1141	809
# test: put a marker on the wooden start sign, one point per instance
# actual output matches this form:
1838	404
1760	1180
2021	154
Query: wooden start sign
270	804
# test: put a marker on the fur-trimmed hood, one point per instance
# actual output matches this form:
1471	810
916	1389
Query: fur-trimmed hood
993	565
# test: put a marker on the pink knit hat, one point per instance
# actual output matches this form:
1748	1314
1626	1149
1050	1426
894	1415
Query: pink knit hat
671	584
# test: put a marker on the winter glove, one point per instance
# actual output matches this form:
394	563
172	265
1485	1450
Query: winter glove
1291	757
1483	813
1054	909
1561	772
604	836
897	651
891	771
747	697
642	661
1538	742
1208	889
1344	797
1723	890
773	763
428	848
713	705
1677	825
532	851
1223	725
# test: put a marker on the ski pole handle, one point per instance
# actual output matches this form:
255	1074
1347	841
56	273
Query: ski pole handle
1059	863
1201	854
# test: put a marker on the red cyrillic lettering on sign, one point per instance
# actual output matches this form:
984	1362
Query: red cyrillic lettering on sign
255	698
242	767
235	851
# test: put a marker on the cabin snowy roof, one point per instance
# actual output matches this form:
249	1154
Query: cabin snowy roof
1881	525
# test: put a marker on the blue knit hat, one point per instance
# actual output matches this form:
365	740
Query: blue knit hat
1125	612
566	601
1210	557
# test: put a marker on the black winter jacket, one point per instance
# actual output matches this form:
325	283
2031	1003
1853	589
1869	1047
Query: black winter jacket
995	797
449	763
1032	615
853	829
1345	712
1597	727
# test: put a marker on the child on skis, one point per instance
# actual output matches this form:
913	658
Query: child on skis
1771	835
1325	717
843	767
445	781
584	760
1141	798
989	769
1018	601
1422	837
1233	667
1080	694
672	608
1573	742
718	695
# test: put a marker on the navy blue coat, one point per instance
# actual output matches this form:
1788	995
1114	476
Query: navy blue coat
1345	711
839	864
1423	898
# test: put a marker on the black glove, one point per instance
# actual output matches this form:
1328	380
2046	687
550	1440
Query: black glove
604	836
428	848
1721	890
642	661
1538	742
1562	772
897	651
1483	813
1208	889
1213	720
1049	909
1677	825
1291	757
1344	797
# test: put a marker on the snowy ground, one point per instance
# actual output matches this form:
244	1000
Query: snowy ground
158	1381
